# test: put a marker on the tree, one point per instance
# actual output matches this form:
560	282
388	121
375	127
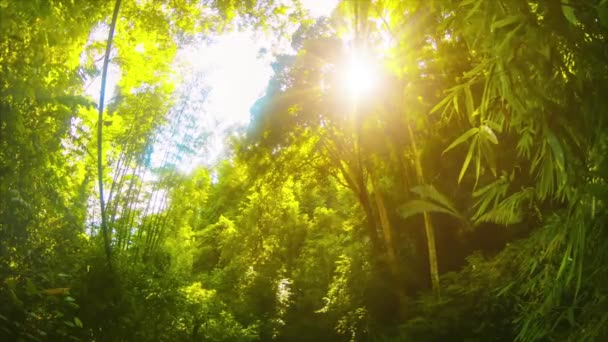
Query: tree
477	166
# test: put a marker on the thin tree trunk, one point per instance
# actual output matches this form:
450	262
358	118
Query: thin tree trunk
387	232
428	226
154	226
385	224
115	190
132	213
363	196
356	185
102	95
126	211
163	226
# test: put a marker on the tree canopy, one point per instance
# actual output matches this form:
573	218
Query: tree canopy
414	171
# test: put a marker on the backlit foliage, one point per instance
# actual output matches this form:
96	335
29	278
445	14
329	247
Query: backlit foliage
462	197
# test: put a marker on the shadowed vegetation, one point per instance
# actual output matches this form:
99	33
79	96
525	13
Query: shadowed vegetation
414	171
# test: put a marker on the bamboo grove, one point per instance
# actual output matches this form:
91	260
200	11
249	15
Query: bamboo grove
462	198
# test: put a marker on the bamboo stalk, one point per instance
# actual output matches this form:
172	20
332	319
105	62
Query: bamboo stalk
102	95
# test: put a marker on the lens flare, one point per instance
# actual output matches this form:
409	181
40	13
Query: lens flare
359	77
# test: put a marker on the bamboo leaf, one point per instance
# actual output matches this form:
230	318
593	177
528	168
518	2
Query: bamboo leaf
444	102
420	206
508	211
556	148
506	22
464	137
471	74
491	193
504	289
467	161
78	322
565	260
568	11
470	104
477	164
489	134
473	10
488	154
432	193
494	126
467	3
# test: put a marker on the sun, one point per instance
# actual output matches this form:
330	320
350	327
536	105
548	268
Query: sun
359	76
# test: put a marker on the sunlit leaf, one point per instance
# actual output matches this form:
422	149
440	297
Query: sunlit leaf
489	134
461	139
78	322
469	102
506	21
415	207
568	11
428	190
467	159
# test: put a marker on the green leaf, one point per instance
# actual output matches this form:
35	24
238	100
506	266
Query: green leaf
566	258
467	2
444	102
488	155
556	148
473	10
478	70
477	165
419	206
504	289
464	137
489	134
469	102
78	322
506	21
508	211
427	190
467	160
568	11
489	196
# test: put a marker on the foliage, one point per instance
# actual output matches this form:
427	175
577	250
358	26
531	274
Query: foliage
464	198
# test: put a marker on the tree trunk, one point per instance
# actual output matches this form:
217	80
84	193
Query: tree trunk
102	95
428	226
387	232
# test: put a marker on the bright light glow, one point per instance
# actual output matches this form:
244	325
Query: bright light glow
359	77
93	85
320	8
234	72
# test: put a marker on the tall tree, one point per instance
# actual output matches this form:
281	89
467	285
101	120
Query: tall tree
100	105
